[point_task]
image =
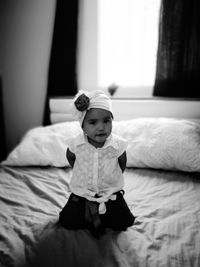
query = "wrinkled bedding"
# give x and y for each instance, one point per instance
(166, 231)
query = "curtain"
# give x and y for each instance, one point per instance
(178, 56)
(2, 126)
(62, 77)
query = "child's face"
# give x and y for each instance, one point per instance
(97, 125)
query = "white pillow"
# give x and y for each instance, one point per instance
(44, 146)
(160, 143)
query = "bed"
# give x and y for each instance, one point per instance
(162, 189)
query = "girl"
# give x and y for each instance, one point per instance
(98, 158)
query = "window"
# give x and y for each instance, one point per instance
(125, 34)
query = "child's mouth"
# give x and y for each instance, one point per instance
(101, 135)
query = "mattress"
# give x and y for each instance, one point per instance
(165, 233)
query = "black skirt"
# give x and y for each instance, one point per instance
(80, 213)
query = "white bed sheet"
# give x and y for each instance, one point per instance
(166, 231)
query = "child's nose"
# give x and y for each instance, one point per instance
(101, 126)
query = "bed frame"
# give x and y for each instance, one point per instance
(125, 109)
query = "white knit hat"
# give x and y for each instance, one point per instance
(84, 101)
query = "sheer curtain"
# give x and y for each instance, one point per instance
(62, 77)
(127, 42)
(178, 57)
(118, 44)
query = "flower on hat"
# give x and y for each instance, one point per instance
(80, 105)
(82, 102)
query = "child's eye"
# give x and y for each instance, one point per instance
(107, 120)
(92, 122)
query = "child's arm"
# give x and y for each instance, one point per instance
(71, 157)
(122, 161)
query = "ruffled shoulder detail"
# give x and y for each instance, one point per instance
(75, 141)
(117, 142)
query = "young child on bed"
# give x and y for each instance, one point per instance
(98, 158)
